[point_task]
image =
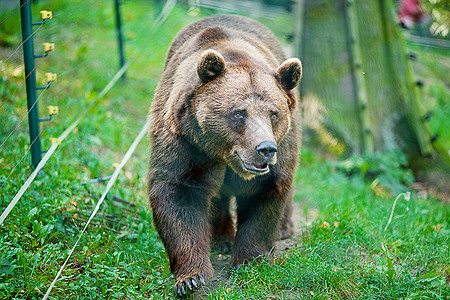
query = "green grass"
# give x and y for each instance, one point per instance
(346, 253)
(340, 255)
(121, 255)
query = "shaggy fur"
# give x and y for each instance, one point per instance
(225, 124)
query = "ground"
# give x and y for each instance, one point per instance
(222, 262)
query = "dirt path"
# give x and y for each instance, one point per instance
(221, 262)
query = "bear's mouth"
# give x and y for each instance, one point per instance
(250, 168)
(259, 168)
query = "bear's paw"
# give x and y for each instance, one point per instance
(187, 283)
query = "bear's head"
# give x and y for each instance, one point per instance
(244, 109)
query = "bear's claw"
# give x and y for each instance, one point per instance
(190, 284)
(194, 283)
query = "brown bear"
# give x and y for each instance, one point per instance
(224, 123)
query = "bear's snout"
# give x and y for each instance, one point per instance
(266, 150)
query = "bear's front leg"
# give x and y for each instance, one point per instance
(222, 225)
(180, 214)
(258, 224)
(286, 225)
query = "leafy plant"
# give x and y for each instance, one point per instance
(390, 169)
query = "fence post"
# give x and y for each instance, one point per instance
(28, 56)
(300, 17)
(360, 91)
(410, 90)
(119, 37)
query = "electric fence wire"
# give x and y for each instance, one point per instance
(68, 130)
(17, 49)
(26, 152)
(28, 112)
(14, 12)
(27, 183)
(40, 133)
(59, 76)
(109, 185)
(20, 84)
(64, 73)
(53, 147)
(167, 9)
(159, 21)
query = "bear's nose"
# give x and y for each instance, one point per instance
(266, 149)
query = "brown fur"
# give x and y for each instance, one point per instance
(223, 92)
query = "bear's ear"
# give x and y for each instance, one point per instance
(210, 65)
(289, 73)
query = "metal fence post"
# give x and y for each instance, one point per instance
(28, 56)
(119, 36)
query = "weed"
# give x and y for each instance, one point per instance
(390, 169)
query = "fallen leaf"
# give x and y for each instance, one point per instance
(324, 225)
(437, 227)
(349, 232)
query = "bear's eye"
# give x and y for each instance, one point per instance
(274, 117)
(239, 115)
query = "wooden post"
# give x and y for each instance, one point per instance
(299, 12)
(410, 89)
(360, 90)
